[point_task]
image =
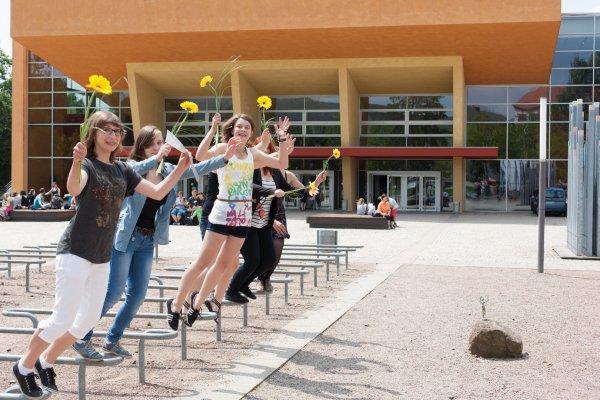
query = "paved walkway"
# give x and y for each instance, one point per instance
(451, 242)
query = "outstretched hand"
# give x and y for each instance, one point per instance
(232, 144)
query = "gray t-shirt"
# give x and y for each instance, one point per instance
(91, 231)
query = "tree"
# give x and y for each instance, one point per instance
(5, 116)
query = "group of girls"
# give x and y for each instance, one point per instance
(123, 211)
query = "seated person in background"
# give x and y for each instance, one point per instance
(194, 207)
(31, 197)
(16, 200)
(39, 203)
(24, 200)
(7, 207)
(179, 211)
(370, 209)
(385, 210)
(56, 202)
(361, 207)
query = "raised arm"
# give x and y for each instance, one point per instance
(203, 149)
(160, 190)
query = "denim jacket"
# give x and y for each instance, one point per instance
(132, 205)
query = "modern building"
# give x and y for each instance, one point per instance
(435, 103)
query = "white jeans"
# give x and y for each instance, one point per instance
(79, 296)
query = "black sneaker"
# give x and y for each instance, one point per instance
(172, 317)
(47, 376)
(27, 383)
(248, 293)
(236, 297)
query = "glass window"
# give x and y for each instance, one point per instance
(39, 70)
(40, 115)
(487, 135)
(295, 117)
(323, 130)
(64, 84)
(39, 100)
(582, 76)
(288, 103)
(395, 141)
(430, 115)
(375, 102)
(485, 113)
(39, 140)
(125, 116)
(597, 78)
(523, 141)
(322, 141)
(322, 103)
(559, 141)
(567, 94)
(38, 173)
(486, 95)
(323, 116)
(64, 138)
(428, 141)
(39, 84)
(106, 101)
(526, 94)
(226, 103)
(31, 57)
(575, 43)
(484, 186)
(382, 130)
(572, 59)
(60, 171)
(68, 115)
(524, 112)
(70, 99)
(429, 102)
(521, 180)
(571, 25)
(559, 112)
(430, 129)
(383, 116)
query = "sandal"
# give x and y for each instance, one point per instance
(212, 305)
(172, 316)
(192, 313)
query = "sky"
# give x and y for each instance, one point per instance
(568, 6)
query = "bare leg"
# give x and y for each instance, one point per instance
(227, 255)
(225, 278)
(36, 347)
(58, 347)
(208, 252)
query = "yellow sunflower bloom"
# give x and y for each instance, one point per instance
(99, 84)
(336, 153)
(205, 80)
(264, 102)
(312, 189)
(189, 106)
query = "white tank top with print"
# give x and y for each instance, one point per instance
(235, 183)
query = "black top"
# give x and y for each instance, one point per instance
(148, 214)
(91, 231)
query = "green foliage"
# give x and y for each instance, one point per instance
(5, 116)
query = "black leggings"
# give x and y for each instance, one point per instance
(259, 257)
(278, 244)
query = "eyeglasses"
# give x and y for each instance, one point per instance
(112, 132)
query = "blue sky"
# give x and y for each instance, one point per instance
(568, 6)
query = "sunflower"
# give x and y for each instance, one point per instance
(189, 106)
(205, 80)
(264, 102)
(336, 153)
(312, 189)
(99, 84)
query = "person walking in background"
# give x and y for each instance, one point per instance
(143, 222)
(83, 252)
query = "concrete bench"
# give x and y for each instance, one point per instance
(10, 260)
(148, 334)
(346, 221)
(24, 214)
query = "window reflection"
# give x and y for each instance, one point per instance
(581, 76)
(571, 25)
(575, 43)
(487, 135)
(559, 139)
(486, 113)
(523, 141)
(567, 94)
(573, 59)
(486, 95)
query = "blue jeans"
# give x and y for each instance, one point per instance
(132, 267)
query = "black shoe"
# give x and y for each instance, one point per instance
(235, 297)
(192, 313)
(248, 293)
(27, 383)
(172, 317)
(47, 376)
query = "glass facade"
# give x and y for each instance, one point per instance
(56, 110)
(506, 117)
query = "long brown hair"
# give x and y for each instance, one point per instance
(230, 123)
(144, 139)
(100, 119)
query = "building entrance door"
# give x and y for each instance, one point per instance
(414, 191)
(324, 199)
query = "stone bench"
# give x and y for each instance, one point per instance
(346, 221)
(21, 214)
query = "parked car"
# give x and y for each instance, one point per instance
(556, 202)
